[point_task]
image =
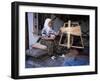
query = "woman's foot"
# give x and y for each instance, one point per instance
(53, 57)
(62, 55)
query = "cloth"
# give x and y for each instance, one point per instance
(40, 46)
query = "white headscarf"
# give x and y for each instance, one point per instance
(46, 23)
(46, 27)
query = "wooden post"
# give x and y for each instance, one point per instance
(68, 34)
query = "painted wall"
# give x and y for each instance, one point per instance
(32, 37)
(58, 23)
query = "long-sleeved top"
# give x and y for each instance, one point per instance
(48, 32)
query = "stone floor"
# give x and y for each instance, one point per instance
(46, 61)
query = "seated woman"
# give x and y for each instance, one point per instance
(48, 36)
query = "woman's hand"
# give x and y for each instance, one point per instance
(59, 32)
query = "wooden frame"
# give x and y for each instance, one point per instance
(15, 40)
(71, 30)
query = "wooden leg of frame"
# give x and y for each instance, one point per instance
(68, 42)
(60, 39)
(82, 41)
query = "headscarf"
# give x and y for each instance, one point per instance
(46, 28)
(46, 23)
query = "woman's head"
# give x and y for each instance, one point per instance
(48, 23)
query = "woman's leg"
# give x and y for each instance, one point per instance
(50, 47)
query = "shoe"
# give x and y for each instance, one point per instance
(62, 55)
(53, 57)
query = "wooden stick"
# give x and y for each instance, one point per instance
(68, 34)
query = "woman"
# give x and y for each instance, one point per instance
(48, 36)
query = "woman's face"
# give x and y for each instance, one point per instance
(50, 24)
